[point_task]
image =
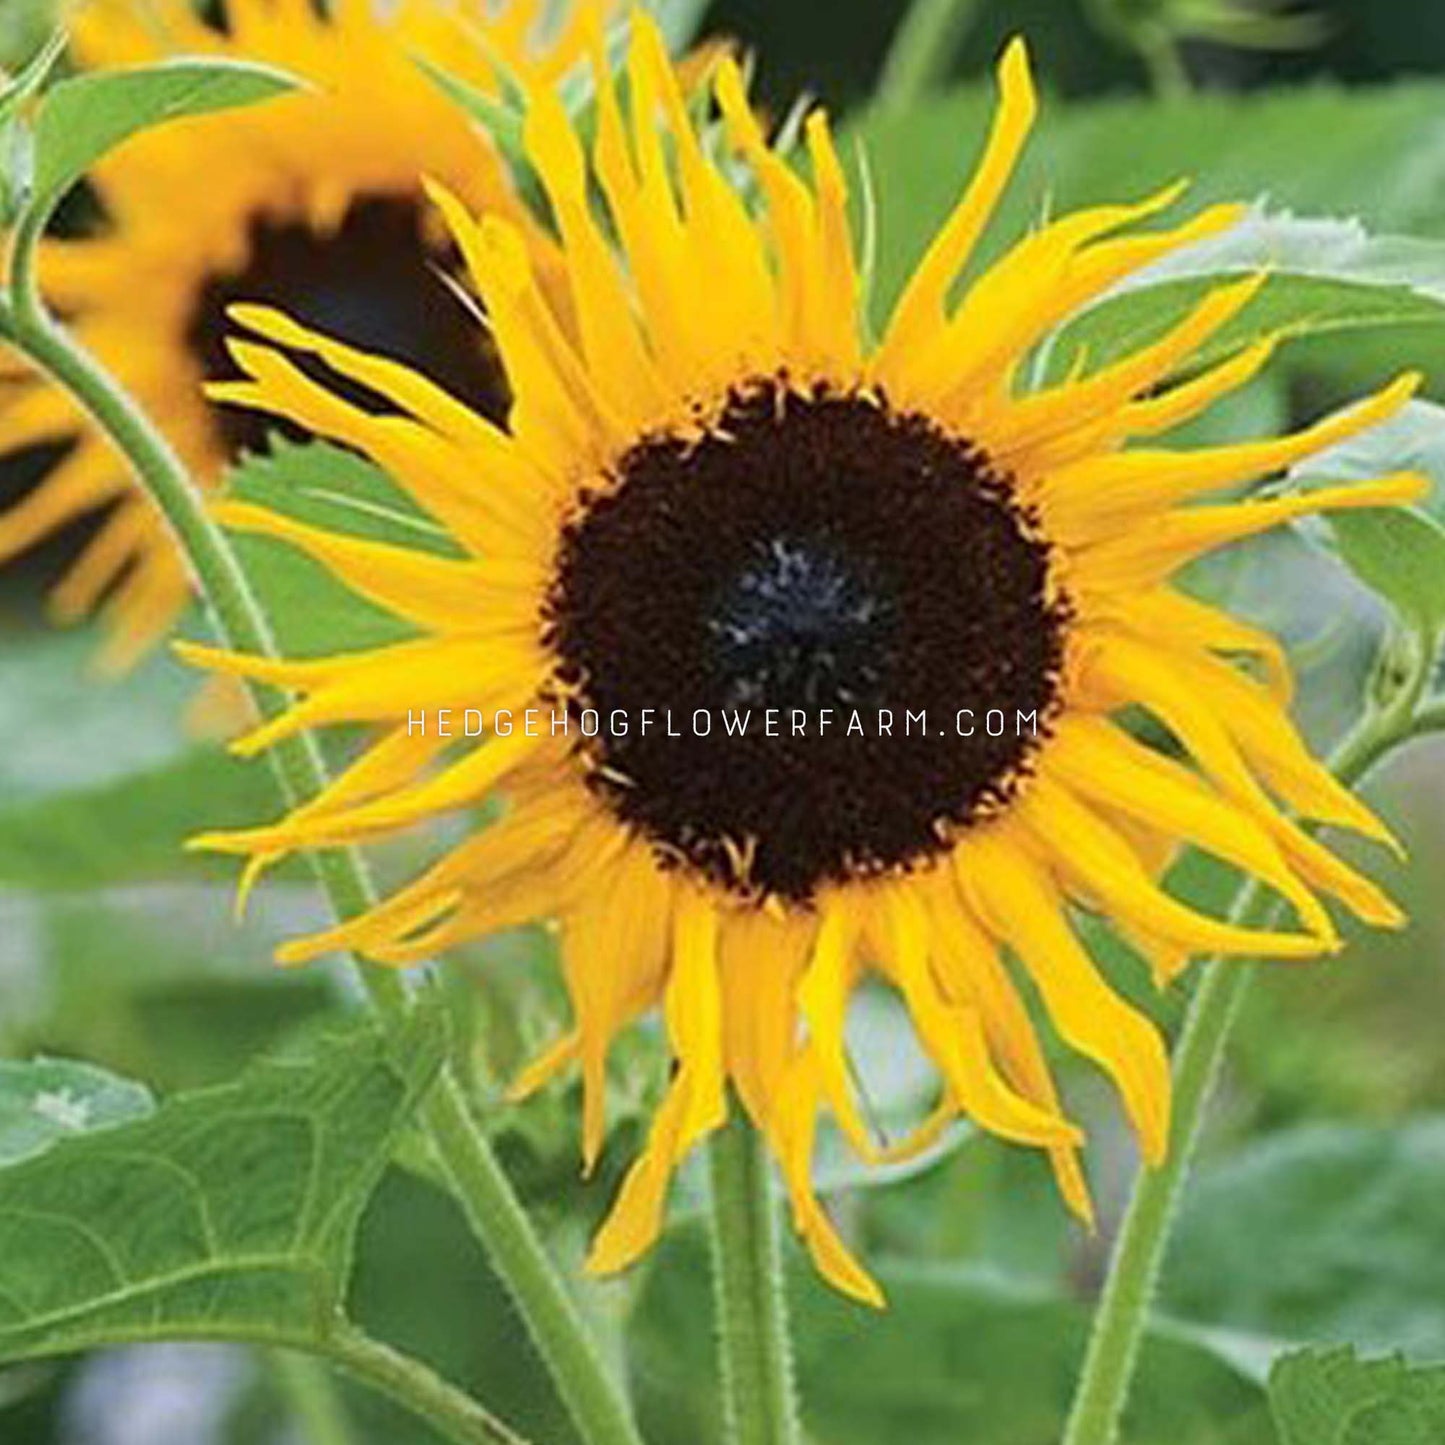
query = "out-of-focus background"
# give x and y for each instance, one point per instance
(1319, 1211)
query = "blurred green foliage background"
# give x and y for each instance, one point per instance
(1319, 1215)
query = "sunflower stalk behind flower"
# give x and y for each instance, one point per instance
(712, 492)
(313, 203)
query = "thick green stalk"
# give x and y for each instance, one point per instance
(594, 1398)
(760, 1403)
(1122, 1314)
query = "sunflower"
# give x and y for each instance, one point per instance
(312, 202)
(722, 501)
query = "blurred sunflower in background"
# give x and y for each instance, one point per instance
(722, 498)
(312, 203)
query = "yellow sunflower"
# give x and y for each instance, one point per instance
(312, 202)
(722, 500)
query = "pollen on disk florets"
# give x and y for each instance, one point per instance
(854, 572)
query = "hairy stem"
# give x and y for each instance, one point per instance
(760, 1405)
(593, 1397)
(410, 1383)
(1122, 1314)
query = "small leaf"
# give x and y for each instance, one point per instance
(504, 123)
(326, 487)
(229, 1213)
(1332, 1397)
(1398, 553)
(679, 21)
(49, 1100)
(84, 118)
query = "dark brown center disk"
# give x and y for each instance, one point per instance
(377, 281)
(857, 571)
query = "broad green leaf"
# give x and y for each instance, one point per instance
(339, 491)
(1324, 276)
(957, 1356)
(1383, 162)
(228, 1213)
(326, 486)
(1399, 553)
(1332, 1397)
(84, 118)
(44, 1102)
(1345, 1239)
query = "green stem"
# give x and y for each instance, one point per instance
(593, 1397)
(1168, 75)
(924, 45)
(312, 1397)
(410, 1383)
(1122, 1314)
(760, 1404)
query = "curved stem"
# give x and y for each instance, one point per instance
(759, 1401)
(1123, 1310)
(410, 1383)
(592, 1396)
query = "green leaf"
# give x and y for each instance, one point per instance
(1324, 276)
(679, 21)
(84, 118)
(1345, 1239)
(1332, 1397)
(44, 1102)
(1397, 552)
(1401, 555)
(1235, 147)
(504, 123)
(229, 1213)
(957, 1356)
(339, 491)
